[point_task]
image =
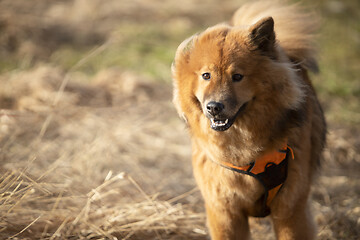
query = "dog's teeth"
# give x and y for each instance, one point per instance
(219, 123)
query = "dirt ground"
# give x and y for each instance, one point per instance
(104, 155)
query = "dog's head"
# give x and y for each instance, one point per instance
(226, 73)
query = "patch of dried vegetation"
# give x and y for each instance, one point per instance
(96, 164)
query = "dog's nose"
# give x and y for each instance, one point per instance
(214, 108)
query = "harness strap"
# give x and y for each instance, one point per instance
(270, 170)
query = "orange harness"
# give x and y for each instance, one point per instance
(270, 170)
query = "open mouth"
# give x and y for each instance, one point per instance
(224, 124)
(219, 123)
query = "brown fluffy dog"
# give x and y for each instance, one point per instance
(243, 89)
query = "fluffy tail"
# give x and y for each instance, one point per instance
(294, 28)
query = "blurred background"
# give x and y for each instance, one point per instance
(90, 144)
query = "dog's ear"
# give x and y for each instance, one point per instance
(262, 36)
(182, 56)
(183, 51)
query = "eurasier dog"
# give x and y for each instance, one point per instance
(256, 125)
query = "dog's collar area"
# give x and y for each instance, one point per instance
(270, 170)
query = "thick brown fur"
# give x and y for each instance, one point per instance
(271, 46)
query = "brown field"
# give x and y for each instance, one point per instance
(91, 146)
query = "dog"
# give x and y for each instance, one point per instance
(256, 126)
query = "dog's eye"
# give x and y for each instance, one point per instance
(237, 77)
(206, 76)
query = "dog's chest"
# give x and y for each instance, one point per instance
(219, 186)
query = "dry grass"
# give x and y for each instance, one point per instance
(74, 170)
(32, 210)
(105, 156)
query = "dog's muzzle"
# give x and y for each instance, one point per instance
(217, 122)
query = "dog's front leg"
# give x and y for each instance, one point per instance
(224, 225)
(298, 226)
